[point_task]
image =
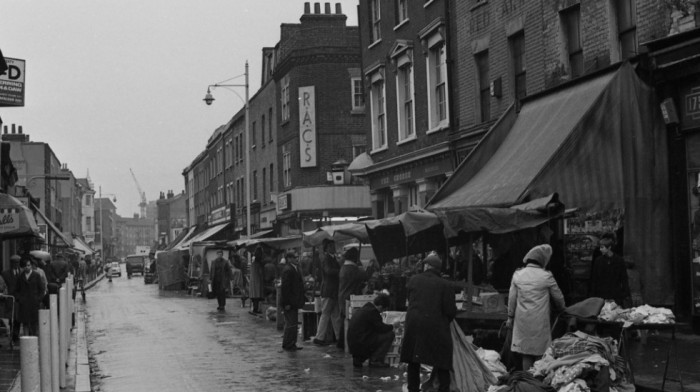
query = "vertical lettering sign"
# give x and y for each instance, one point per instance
(691, 107)
(12, 83)
(307, 127)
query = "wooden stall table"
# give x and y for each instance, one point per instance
(592, 324)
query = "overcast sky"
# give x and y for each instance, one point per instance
(118, 84)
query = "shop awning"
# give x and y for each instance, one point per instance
(183, 236)
(80, 245)
(203, 236)
(600, 143)
(16, 219)
(59, 239)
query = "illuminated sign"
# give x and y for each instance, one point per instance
(307, 127)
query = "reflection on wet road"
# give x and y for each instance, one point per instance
(143, 339)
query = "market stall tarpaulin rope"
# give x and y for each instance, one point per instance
(16, 219)
(599, 142)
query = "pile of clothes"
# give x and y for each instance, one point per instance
(576, 362)
(644, 314)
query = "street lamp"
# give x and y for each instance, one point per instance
(102, 225)
(208, 98)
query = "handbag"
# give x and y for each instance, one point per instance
(210, 293)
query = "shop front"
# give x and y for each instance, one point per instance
(674, 69)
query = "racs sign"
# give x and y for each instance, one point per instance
(307, 126)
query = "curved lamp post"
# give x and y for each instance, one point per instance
(209, 98)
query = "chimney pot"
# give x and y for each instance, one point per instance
(327, 8)
(338, 8)
(307, 8)
(317, 8)
(13, 129)
(19, 130)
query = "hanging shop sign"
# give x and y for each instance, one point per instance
(12, 83)
(307, 126)
(690, 94)
(283, 202)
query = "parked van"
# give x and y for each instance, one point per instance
(135, 264)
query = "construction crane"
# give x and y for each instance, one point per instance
(142, 195)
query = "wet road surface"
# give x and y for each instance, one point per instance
(143, 339)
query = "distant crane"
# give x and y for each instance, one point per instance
(142, 195)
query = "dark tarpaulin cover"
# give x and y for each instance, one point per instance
(599, 143)
(171, 269)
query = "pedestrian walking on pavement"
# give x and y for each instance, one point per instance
(11, 276)
(427, 337)
(221, 275)
(29, 292)
(256, 289)
(330, 310)
(292, 299)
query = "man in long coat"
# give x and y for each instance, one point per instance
(29, 291)
(330, 310)
(221, 274)
(427, 338)
(256, 289)
(291, 300)
(351, 279)
(11, 277)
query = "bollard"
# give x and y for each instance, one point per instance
(29, 359)
(45, 349)
(62, 326)
(53, 307)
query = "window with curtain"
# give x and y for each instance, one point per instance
(571, 23)
(626, 27)
(482, 67)
(517, 50)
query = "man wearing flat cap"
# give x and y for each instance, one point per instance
(427, 337)
(291, 300)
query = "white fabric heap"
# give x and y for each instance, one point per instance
(493, 362)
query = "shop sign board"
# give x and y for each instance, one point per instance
(307, 126)
(690, 112)
(42, 231)
(411, 174)
(283, 202)
(12, 83)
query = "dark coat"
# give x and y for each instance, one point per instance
(292, 288)
(431, 308)
(221, 275)
(59, 271)
(351, 280)
(609, 279)
(366, 323)
(10, 280)
(257, 278)
(29, 292)
(331, 277)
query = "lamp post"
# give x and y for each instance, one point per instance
(208, 98)
(102, 225)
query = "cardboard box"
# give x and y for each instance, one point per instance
(493, 302)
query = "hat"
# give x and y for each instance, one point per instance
(291, 254)
(15, 258)
(434, 261)
(541, 254)
(351, 254)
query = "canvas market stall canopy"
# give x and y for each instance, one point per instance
(16, 219)
(206, 235)
(80, 245)
(57, 239)
(599, 142)
(280, 243)
(342, 232)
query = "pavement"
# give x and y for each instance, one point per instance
(660, 352)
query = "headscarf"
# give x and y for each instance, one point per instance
(540, 254)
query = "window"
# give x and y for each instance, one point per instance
(269, 127)
(88, 222)
(401, 9)
(286, 165)
(264, 186)
(375, 32)
(413, 200)
(437, 85)
(517, 48)
(285, 98)
(262, 131)
(252, 135)
(378, 105)
(404, 98)
(358, 94)
(571, 19)
(88, 200)
(626, 27)
(272, 181)
(482, 68)
(255, 185)
(358, 149)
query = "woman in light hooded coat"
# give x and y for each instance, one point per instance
(531, 290)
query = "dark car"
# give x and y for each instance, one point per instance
(134, 264)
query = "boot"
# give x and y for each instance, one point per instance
(243, 299)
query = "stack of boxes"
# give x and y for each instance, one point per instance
(398, 319)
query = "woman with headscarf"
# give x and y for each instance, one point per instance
(532, 289)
